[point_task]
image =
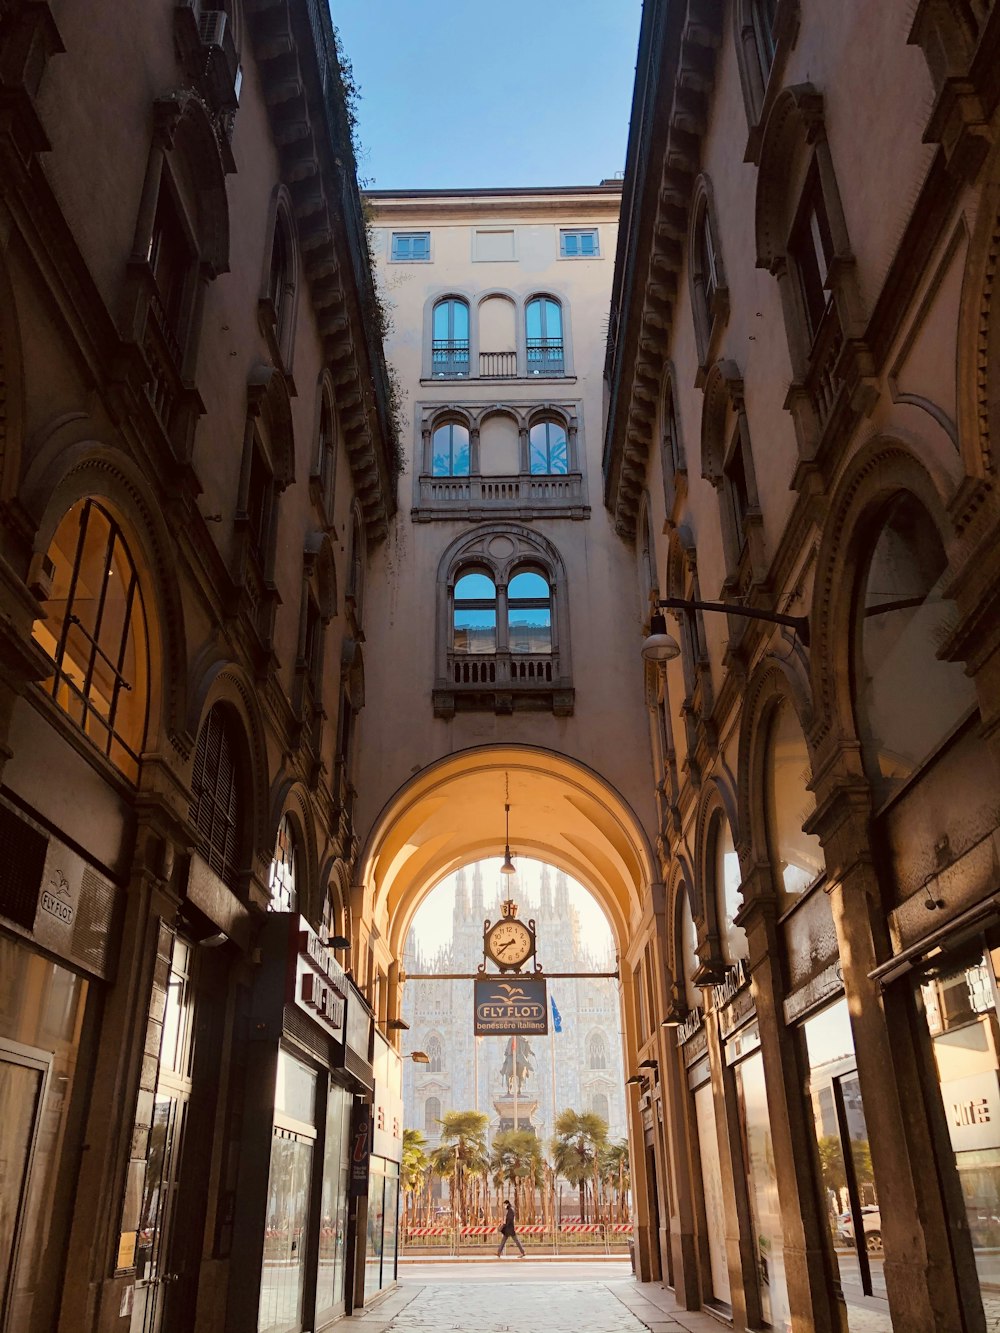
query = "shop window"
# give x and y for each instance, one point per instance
(450, 450)
(597, 1052)
(450, 349)
(908, 699)
(797, 856)
(475, 615)
(727, 881)
(547, 449)
(217, 810)
(529, 614)
(95, 634)
(281, 884)
(287, 1236)
(958, 1000)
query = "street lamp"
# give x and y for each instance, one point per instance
(418, 1057)
(508, 865)
(660, 646)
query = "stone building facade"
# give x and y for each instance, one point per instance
(579, 1067)
(196, 460)
(802, 380)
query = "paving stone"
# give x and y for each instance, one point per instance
(535, 1307)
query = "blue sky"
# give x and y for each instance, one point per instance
(472, 93)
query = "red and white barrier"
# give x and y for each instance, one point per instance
(429, 1231)
(574, 1228)
(620, 1228)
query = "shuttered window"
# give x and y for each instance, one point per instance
(217, 806)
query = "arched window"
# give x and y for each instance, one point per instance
(708, 295)
(475, 615)
(432, 1116)
(434, 1055)
(688, 945)
(726, 885)
(217, 808)
(547, 448)
(762, 14)
(280, 289)
(599, 1105)
(450, 349)
(326, 454)
(797, 856)
(544, 333)
(282, 878)
(356, 571)
(908, 699)
(672, 461)
(597, 1052)
(95, 634)
(450, 450)
(529, 613)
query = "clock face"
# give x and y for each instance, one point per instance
(509, 943)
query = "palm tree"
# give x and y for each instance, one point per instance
(614, 1165)
(413, 1169)
(517, 1162)
(578, 1140)
(463, 1136)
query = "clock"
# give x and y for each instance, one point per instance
(510, 943)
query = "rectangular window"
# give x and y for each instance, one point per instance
(411, 246)
(493, 245)
(580, 243)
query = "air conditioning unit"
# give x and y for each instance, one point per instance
(222, 70)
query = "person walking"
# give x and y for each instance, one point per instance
(508, 1230)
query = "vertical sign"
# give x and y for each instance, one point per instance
(361, 1147)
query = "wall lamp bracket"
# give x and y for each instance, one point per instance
(663, 647)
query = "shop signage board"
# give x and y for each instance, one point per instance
(511, 1006)
(972, 1105)
(318, 983)
(361, 1148)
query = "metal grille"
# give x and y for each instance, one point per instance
(92, 925)
(22, 860)
(298, 1027)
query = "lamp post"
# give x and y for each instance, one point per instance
(660, 646)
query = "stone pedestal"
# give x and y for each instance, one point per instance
(516, 1113)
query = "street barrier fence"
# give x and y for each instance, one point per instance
(567, 1237)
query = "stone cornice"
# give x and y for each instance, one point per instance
(675, 76)
(296, 57)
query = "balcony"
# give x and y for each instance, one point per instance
(503, 682)
(528, 493)
(498, 365)
(545, 357)
(450, 360)
(825, 377)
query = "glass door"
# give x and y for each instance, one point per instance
(711, 1183)
(765, 1209)
(22, 1079)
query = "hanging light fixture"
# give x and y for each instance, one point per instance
(508, 867)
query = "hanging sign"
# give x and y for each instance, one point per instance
(511, 1007)
(361, 1147)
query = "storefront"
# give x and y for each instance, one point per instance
(693, 1041)
(291, 1258)
(740, 1034)
(382, 1223)
(57, 917)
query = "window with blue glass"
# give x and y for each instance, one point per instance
(411, 245)
(450, 451)
(529, 613)
(580, 243)
(475, 616)
(450, 352)
(544, 334)
(547, 449)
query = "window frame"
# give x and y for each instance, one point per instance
(115, 542)
(576, 233)
(395, 237)
(489, 604)
(550, 366)
(221, 859)
(450, 424)
(528, 604)
(449, 349)
(546, 422)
